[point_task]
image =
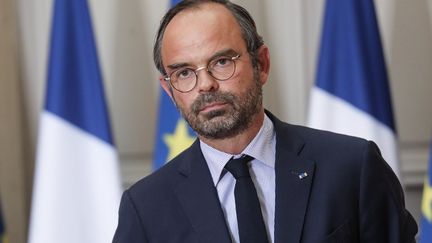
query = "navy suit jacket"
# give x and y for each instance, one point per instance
(350, 195)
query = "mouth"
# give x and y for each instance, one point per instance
(212, 107)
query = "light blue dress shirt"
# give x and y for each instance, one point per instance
(262, 170)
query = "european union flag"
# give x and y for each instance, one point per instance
(426, 207)
(173, 134)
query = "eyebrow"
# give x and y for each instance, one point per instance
(223, 52)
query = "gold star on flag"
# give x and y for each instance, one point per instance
(179, 140)
(427, 201)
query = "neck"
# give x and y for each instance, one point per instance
(236, 144)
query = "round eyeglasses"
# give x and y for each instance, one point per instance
(185, 79)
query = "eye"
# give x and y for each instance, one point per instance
(184, 73)
(222, 61)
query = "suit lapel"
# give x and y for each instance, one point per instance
(294, 176)
(293, 182)
(199, 199)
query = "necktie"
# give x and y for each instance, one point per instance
(249, 217)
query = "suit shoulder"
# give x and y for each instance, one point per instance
(339, 150)
(352, 155)
(298, 133)
(326, 138)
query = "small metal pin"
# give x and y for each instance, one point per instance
(302, 175)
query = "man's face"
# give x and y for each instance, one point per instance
(214, 109)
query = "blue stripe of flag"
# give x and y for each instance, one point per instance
(351, 64)
(74, 88)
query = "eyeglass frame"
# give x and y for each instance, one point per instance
(206, 67)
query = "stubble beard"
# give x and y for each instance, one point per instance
(234, 118)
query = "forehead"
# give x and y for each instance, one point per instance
(195, 34)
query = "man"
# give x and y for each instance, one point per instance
(309, 185)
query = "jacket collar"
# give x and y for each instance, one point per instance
(199, 199)
(294, 174)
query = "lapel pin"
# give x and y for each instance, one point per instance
(302, 175)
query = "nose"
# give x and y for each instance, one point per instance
(205, 81)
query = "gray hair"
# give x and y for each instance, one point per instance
(247, 25)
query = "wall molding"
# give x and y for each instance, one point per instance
(414, 162)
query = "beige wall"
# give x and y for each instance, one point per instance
(14, 194)
(125, 32)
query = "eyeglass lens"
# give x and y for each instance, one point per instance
(221, 68)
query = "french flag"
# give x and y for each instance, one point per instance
(76, 190)
(352, 94)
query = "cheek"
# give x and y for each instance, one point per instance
(246, 76)
(183, 101)
(240, 82)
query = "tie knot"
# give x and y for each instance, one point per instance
(238, 167)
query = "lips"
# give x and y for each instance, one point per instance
(212, 106)
(211, 102)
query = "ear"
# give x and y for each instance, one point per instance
(264, 63)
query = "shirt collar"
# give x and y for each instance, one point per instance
(262, 148)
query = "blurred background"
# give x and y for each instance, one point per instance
(124, 33)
